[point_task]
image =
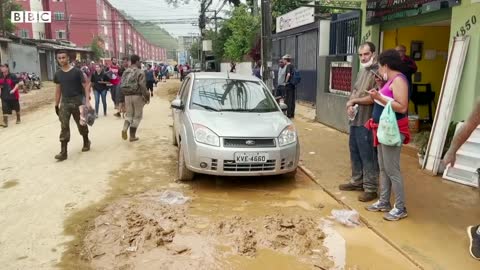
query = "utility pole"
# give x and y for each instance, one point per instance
(67, 27)
(266, 42)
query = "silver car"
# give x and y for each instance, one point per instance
(230, 125)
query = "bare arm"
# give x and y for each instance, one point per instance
(366, 100)
(467, 129)
(400, 92)
(86, 87)
(58, 94)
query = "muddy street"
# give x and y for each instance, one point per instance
(111, 208)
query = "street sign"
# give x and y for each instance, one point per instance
(295, 18)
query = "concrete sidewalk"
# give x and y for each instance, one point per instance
(434, 235)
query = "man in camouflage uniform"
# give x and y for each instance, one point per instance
(135, 95)
(71, 90)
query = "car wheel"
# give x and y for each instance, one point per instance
(184, 174)
(174, 137)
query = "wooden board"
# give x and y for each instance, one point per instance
(446, 103)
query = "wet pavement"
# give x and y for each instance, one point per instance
(434, 235)
(103, 210)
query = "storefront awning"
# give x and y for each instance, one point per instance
(379, 11)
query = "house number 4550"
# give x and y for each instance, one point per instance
(468, 25)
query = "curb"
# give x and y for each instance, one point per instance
(363, 219)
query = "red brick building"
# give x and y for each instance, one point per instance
(80, 21)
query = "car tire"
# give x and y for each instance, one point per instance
(184, 174)
(174, 137)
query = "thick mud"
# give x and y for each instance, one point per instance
(139, 231)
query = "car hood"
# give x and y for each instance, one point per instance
(235, 124)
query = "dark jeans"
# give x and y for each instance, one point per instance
(100, 94)
(290, 100)
(363, 157)
(280, 91)
(150, 85)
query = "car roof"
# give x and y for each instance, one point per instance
(224, 75)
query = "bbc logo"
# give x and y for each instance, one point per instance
(31, 16)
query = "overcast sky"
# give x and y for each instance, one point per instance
(159, 9)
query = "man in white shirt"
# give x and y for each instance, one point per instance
(281, 79)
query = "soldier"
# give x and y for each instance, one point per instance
(71, 88)
(134, 91)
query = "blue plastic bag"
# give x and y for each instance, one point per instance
(388, 132)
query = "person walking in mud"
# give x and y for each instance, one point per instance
(151, 79)
(363, 156)
(136, 95)
(459, 139)
(99, 80)
(71, 88)
(114, 69)
(9, 94)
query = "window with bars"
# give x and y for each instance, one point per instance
(23, 33)
(61, 34)
(59, 16)
(345, 33)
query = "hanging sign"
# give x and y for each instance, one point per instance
(295, 18)
(379, 11)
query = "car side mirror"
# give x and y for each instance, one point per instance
(177, 104)
(283, 106)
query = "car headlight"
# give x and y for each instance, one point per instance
(288, 136)
(205, 135)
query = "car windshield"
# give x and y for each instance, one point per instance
(223, 95)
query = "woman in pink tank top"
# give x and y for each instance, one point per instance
(396, 91)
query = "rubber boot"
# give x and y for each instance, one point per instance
(126, 125)
(18, 118)
(86, 144)
(5, 121)
(63, 153)
(133, 132)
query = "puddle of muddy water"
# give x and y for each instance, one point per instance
(120, 232)
(9, 184)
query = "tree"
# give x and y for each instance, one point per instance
(219, 40)
(195, 50)
(8, 7)
(97, 46)
(175, 3)
(245, 28)
(280, 7)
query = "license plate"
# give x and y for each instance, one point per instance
(251, 157)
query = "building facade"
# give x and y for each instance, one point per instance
(80, 22)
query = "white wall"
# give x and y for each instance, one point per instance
(244, 68)
(37, 28)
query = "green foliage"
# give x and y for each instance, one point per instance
(195, 50)
(156, 35)
(219, 41)
(176, 3)
(244, 29)
(421, 141)
(8, 7)
(97, 48)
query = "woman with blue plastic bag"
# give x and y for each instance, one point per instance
(390, 128)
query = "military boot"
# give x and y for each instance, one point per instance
(63, 153)
(86, 144)
(5, 121)
(133, 132)
(126, 125)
